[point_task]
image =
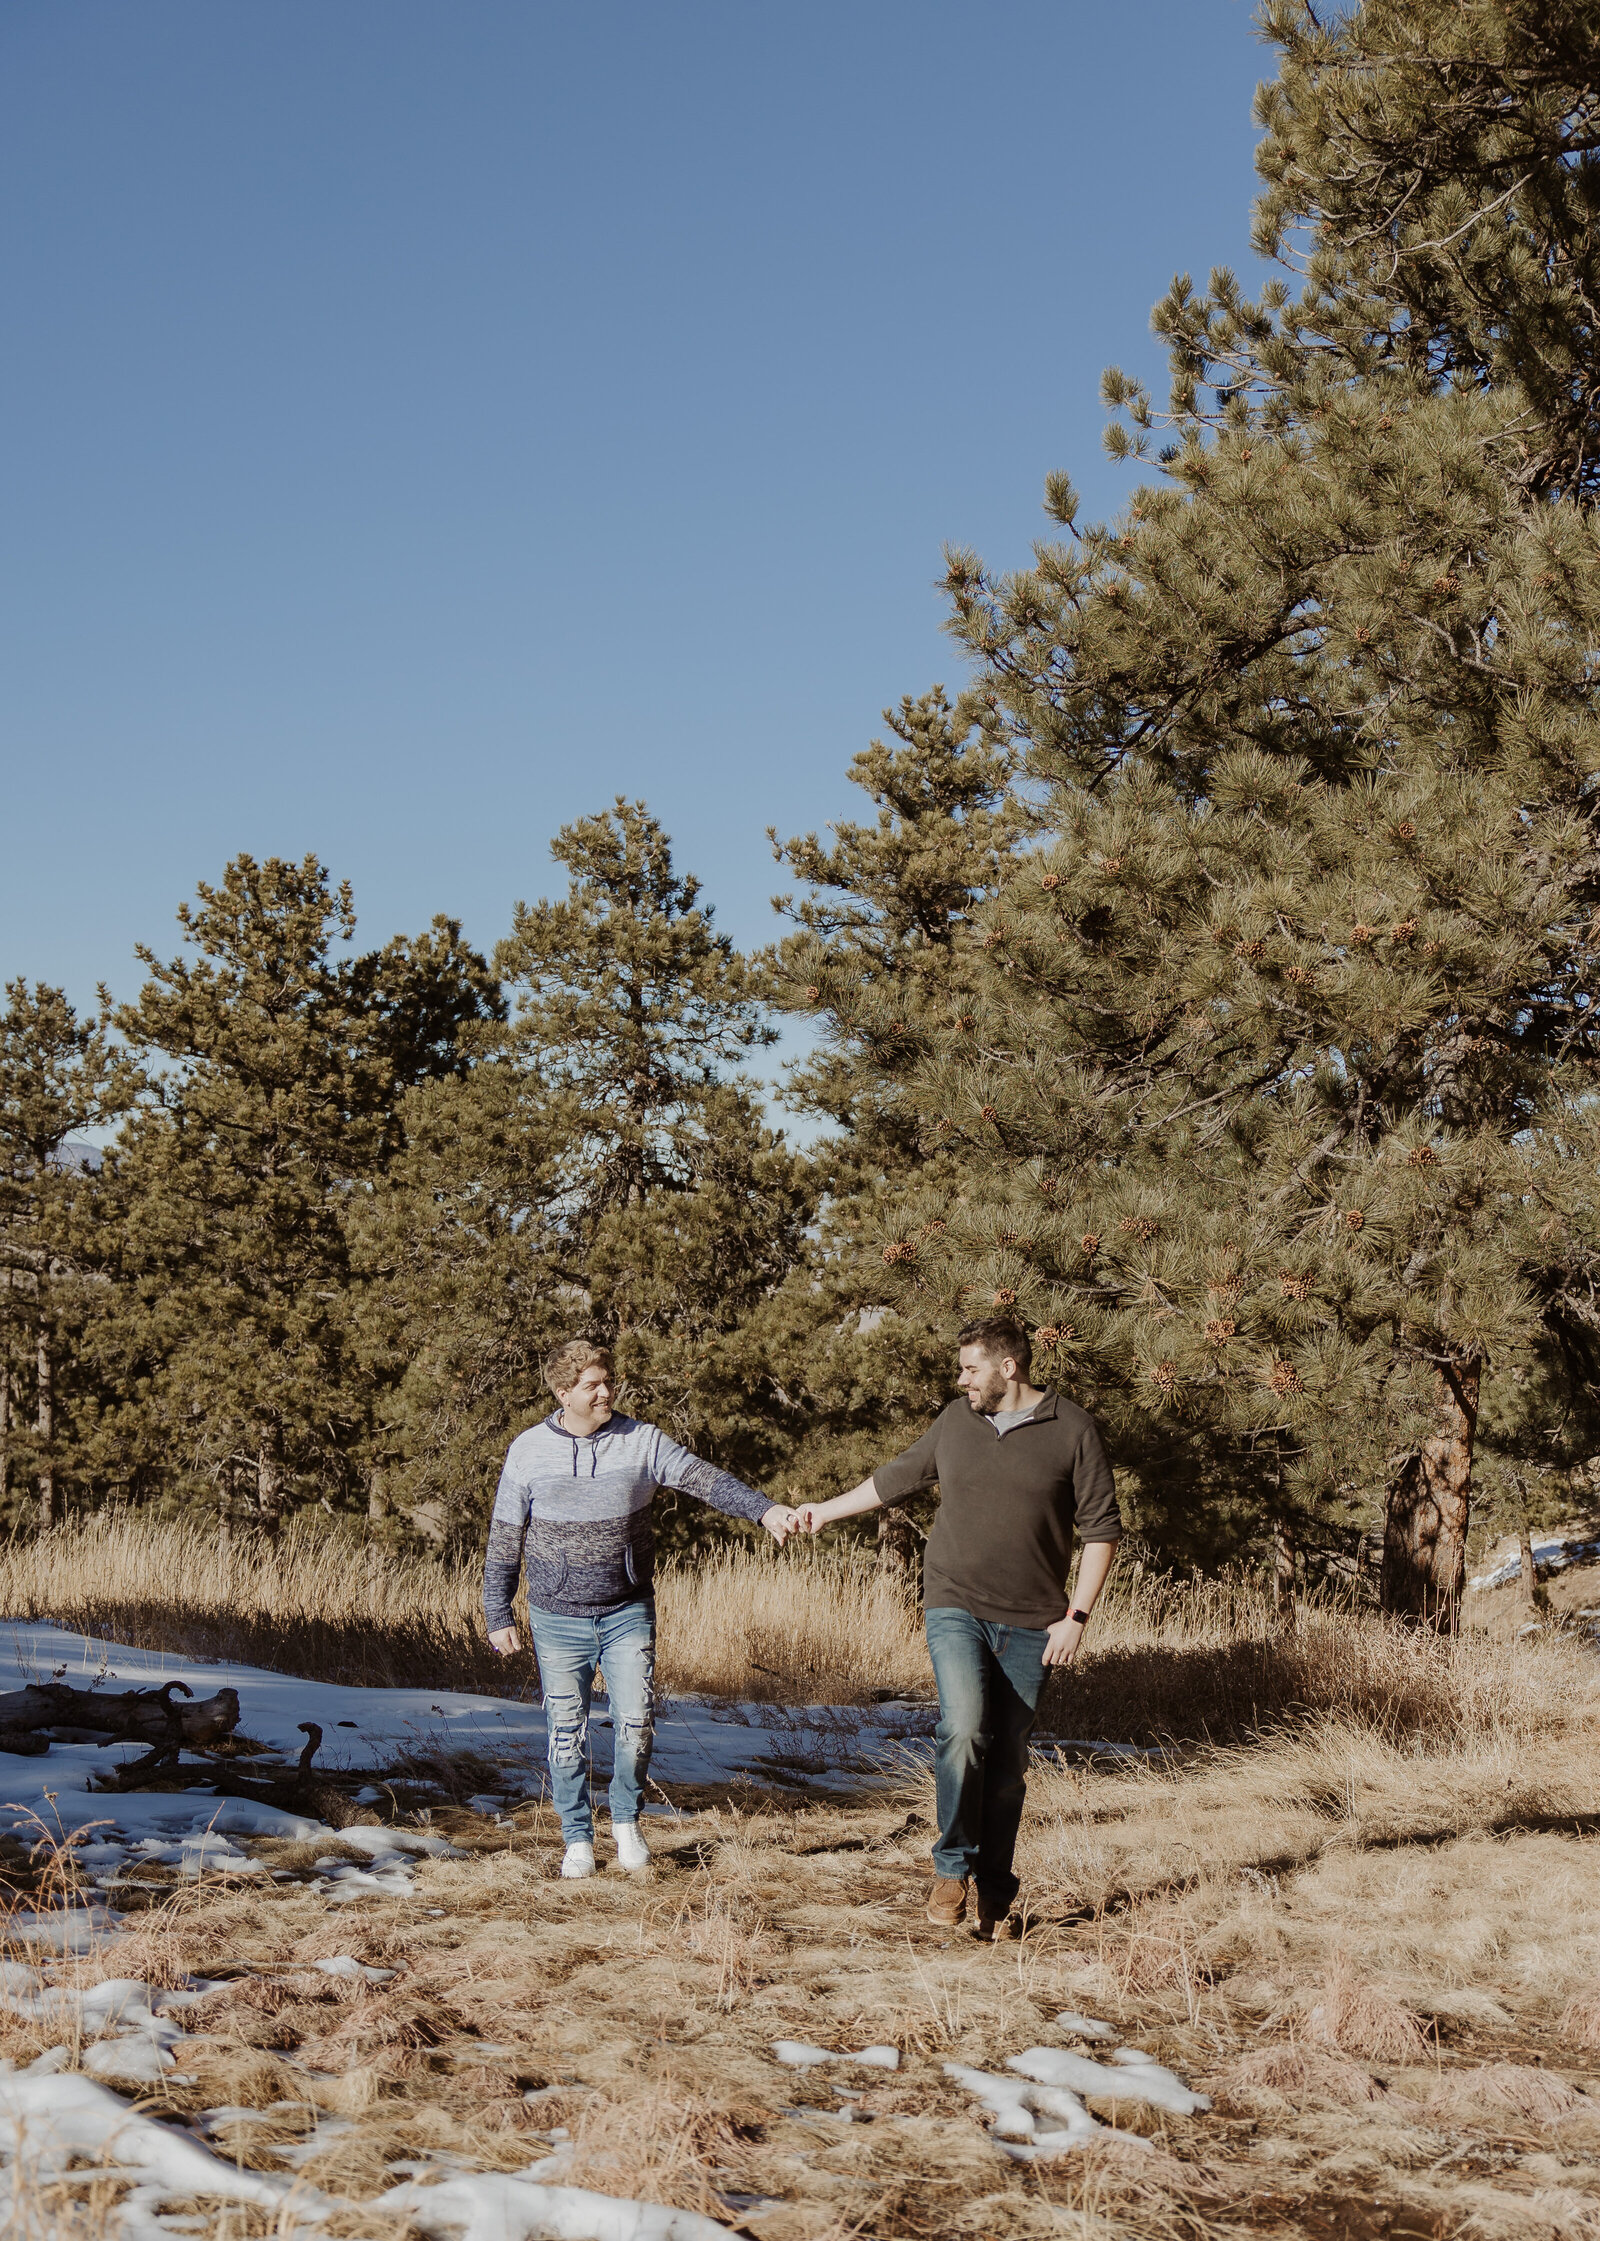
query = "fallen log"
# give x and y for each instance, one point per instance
(148, 1716)
(300, 1789)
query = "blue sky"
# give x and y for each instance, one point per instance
(423, 422)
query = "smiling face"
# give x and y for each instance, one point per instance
(586, 1402)
(983, 1380)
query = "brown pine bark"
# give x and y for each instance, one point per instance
(5, 1430)
(897, 1543)
(1283, 1572)
(1429, 1508)
(46, 1426)
(1533, 1590)
(269, 1479)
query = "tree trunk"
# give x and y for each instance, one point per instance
(269, 1479)
(1533, 1589)
(46, 1431)
(5, 1430)
(897, 1544)
(1427, 1513)
(377, 1494)
(1283, 1571)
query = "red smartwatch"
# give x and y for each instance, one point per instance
(1082, 1617)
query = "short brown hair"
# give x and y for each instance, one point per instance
(567, 1364)
(1000, 1338)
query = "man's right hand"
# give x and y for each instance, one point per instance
(505, 1640)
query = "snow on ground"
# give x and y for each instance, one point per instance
(1549, 1555)
(131, 2033)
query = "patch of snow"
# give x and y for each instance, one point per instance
(73, 1929)
(1016, 2108)
(50, 2123)
(799, 2055)
(1135, 2077)
(342, 1964)
(486, 2206)
(1552, 1555)
(1083, 2026)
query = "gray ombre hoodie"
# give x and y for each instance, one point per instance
(578, 1512)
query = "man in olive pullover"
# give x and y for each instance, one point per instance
(1018, 1469)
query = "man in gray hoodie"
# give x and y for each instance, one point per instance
(573, 1505)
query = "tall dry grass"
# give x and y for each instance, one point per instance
(800, 1626)
(1165, 1660)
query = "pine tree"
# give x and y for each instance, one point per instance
(604, 1167)
(276, 1073)
(59, 1076)
(839, 1364)
(1277, 1103)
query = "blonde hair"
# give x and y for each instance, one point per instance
(567, 1364)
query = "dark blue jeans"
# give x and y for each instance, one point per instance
(989, 1679)
(622, 1644)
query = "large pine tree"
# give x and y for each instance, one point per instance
(839, 1364)
(604, 1167)
(1274, 1103)
(276, 1072)
(60, 1075)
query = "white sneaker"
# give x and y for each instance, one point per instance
(578, 1859)
(632, 1850)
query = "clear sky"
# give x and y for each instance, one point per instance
(421, 422)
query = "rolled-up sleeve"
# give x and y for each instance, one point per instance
(909, 1473)
(1094, 1491)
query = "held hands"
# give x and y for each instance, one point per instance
(780, 1522)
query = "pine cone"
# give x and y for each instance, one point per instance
(1285, 1378)
(990, 1112)
(1089, 1244)
(1164, 1376)
(1004, 1298)
(1220, 1329)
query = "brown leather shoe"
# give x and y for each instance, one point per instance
(996, 1929)
(947, 1901)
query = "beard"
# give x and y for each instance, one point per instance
(986, 1398)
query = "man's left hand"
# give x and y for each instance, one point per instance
(1061, 1642)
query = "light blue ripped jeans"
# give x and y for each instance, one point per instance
(622, 1645)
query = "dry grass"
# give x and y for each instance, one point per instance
(1372, 1934)
(1166, 1660)
(800, 1627)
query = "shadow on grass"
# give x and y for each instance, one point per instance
(349, 1652)
(1231, 1692)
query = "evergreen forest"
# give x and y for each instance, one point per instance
(1209, 980)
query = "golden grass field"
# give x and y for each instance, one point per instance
(1356, 1903)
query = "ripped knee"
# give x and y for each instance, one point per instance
(569, 1730)
(636, 1735)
